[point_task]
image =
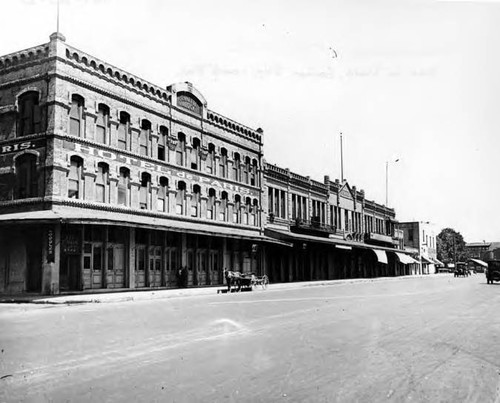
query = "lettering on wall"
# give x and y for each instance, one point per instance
(50, 246)
(25, 145)
(188, 102)
(169, 172)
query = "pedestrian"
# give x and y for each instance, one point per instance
(178, 275)
(184, 277)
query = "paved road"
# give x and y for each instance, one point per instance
(421, 340)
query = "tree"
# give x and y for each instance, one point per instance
(451, 246)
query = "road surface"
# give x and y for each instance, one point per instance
(430, 339)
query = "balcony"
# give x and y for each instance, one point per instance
(312, 227)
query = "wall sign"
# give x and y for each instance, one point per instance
(21, 146)
(50, 245)
(188, 102)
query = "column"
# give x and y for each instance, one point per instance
(51, 259)
(131, 258)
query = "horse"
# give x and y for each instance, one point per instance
(233, 277)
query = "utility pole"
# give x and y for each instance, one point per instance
(341, 161)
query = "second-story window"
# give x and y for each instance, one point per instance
(210, 163)
(102, 124)
(124, 187)
(237, 167)
(75, 178)
(253, 174)
(223, 206)
(26, 177)
(180, 197)
(255, 210)
(195, 201)
(101, 183)
(248, 210)
(237, 209)
(247, 170)
(211, 204)
(144, 191)
(162, 143)
(144, 137)
(180, 149)
(195, 154)
(124, 131)
(76, 121)
(162, 203)
(30, 114)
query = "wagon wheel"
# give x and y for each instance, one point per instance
(265, 281)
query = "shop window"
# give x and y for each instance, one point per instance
(210, 163)
(223, 206)
(162, 143)
(26, 177)
(124, 187)
(223, 163)
(102, 124)
(75, 178)
(162, 203)
(180, 197)
(144, 137)
(144, 191)
(211, 204)
(30, 114)
(180, 149)
(195, 201)
(76, 122)
(102, 183)
(123, 131)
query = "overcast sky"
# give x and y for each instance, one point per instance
(417, 81)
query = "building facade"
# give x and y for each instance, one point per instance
(110, 182)
(420, 241)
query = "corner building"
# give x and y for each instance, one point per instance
(108, 181)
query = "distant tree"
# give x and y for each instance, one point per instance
(450, 244)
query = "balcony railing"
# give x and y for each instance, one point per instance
(313, 225)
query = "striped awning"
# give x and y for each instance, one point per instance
(381, 255)
(479, 262)
(405, 259)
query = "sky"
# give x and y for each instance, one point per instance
(416, 81)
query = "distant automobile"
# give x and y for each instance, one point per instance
(493, 271)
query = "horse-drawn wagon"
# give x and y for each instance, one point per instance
(243, 281)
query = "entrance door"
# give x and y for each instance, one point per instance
(155, 266)
(202, 267)
(116, 267)
(93, 264)
(140, 266)
(215, 272)
(69, 273)
(172, 265)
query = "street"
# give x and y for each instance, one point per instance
(422, 339)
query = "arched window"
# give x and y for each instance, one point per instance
(124, 131)
(254, 213)
(247, 170)
(223, 163)
(124, 187)
(26, 177)
(76, 122)
(195, 154)
(211, 204)
(247, 211)
(102, 183)
(75, 178)
(180, 149)
(162, 203)
(195, 201)
(237, 167)
(210, 166)
(30, 114)
(144, 137)
(237, 209)
(144, 191)
(180, 197)
(253, 174)
(102, 124)
(162, 143)
(223, 206)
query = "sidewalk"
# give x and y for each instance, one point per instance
(106, 295)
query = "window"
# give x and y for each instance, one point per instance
(254, 216)
(210, 164)
(180, 149)
(144, 191)
(247, 170)
(253, 174)
(248, 210)
(236, 167)
(223, 206)
(195, 154)
(76, 116)
(30, 114)
(144, 137)
(26, 177)
(195, 201)
(237, 209)
(180, 196)
(102, 124)
(223, 163)
(211, 204)
(162, 143)
(124, 187)
(123, 131)
(410, 235)
(162, 203)
(75, 179)
(101, 183)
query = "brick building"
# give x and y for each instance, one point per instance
(109, 181)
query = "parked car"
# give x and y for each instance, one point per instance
(493, 271)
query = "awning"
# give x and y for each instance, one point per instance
(343, 247)
(405, 259)
(381, 255)
(438, 262)
(426, 260)
(479, 262)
